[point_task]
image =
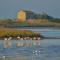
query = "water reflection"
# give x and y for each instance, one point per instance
(28, 42)
(8, 43)
(22, 48)
(32, 50)
(20, 43)
(36, 42)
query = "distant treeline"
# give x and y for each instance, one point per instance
(42, 16)
(47, 17)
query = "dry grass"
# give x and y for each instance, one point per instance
(16, 32)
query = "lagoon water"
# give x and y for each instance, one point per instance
(46, 49)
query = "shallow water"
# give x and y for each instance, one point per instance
(46, 49)
(47, 32)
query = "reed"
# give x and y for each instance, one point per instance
(5, 32)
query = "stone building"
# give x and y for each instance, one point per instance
(23, 15)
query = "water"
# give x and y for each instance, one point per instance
(46, 49)
(47, 32)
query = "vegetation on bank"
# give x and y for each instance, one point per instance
(16, 32)
(10, 23)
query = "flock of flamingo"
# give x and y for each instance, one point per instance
(8, 42)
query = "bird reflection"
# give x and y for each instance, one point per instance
(36, 42)
(7, 42)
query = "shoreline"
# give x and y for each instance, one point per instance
(29, 38)
(31, 27)
(51, 37)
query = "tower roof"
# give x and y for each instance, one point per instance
(28, 11)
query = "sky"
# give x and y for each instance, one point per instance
(9, 8)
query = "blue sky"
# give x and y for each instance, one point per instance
(9, 8)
